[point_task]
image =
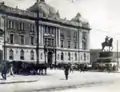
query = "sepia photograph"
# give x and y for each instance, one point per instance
(59, 46)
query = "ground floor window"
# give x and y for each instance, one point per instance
(22, 54)
(32, 55)
(11, 54)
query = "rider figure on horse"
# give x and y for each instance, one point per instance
(106, 39)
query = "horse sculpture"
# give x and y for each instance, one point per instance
(107, 43)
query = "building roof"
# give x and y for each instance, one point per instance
(47, 12)
(45, 9)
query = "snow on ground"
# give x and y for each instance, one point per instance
(56, 79)
(112, 87)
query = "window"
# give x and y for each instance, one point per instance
(68, 44)
(75, 56)
(22, 39)
(84, 57)
(52, 43)
(41, 55)
(32, 40)
(45, 41)
(32, 55)
(58, 56)
(31, 26)
(49, 42)
(22, 54)
(84, 46)
(69, 56)
(61, 35)
(69, 35)
(62, 56)
(75, 45)
(75, 34)
(21, 26)
(11, 38)
(62, 43)
(11, 54)
(9, 24)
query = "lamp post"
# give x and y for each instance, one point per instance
(37, 29)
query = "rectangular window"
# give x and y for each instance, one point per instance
(32, 40)
(75, 45)
(68, 44)
(62, 36)
(22, 39)
(62, 43)
(52, 44)
(11, 38)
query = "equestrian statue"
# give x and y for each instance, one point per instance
(108, 42)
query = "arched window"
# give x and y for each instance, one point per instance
(22, 54)
(32, 55)
(68, 56)
(75, 56)
(11, 54)
(84, 57)
(62, 56)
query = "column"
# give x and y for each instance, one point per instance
(42, 34)
(88, 40)
(59, 42)
(80, 39)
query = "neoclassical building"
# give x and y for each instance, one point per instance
(60, 40)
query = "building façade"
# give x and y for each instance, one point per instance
(60, 40)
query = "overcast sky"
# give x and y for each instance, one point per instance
(103, 15)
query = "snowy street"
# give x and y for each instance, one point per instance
(55, 81)
(104, 87)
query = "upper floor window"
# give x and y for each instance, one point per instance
(22, 54)
(68, 44)
(69, 56)
(75, 45)
(11, 24)
(69, 35)
(84, 46)
(11, 55)
(62, 56)
(22, 39)
(52, 43)
(32, 55)
(61, 43)
(61, 35)
(21, 26)
(75, 34)
(11, 38)
(31, 26)
(32, 40)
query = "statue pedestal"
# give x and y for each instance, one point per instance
(107, 60)
(105, 54)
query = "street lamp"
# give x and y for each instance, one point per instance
(37, 29)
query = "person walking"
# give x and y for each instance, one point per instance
(4, 71)
(11, 70)
(66, 71)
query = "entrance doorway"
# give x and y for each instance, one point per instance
(50, 57)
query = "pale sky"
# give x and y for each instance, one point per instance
(103, 15)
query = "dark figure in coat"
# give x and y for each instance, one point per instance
(4, 71)
(66, 71)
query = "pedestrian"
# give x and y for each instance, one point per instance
(11, 70)
(66, 71)
(4, 71)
